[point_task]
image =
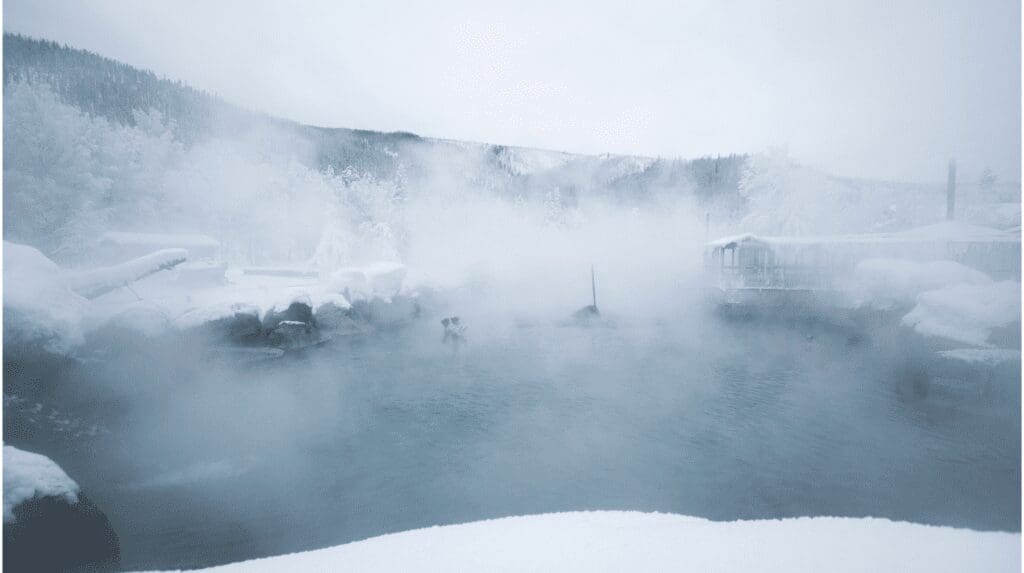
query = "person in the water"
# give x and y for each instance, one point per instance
(454, 331)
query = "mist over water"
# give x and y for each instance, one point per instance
(212, 461)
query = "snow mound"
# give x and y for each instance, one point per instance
(633, 541)
(211, 313)
(28, 476)
(143, 317)
(39, 308)
(966, 312)
(885, 283)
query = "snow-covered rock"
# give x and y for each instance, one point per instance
(334, 317)
(633, 541)
(28, 476)
(49, 525)
(293, 335)
(966, 313)
(236, 322)
(298, 309)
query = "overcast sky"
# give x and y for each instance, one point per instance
(887, 89)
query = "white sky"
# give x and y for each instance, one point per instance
(888, 89)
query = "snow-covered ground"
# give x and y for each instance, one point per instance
(949, 300)
(634, 541)
(966, 313)
(28, 475)
(55, 307)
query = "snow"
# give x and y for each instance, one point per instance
(28, 475)
(95, 282)
(885, 283)
(634, 541)
(143, 317)
(46, 305)
(99, 281)
(966, 313)
(38, 306)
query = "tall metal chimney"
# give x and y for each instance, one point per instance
(951, 191)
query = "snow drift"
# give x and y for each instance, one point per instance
(966, 313)
(633, 541)
(39, 308)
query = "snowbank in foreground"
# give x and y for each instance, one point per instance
(28, 475)
(633, 541)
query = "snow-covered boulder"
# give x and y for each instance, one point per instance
(40, 310)
(298, 309)
(236, 322)
(294, 335)
(338, 317)
(49, 525)
(966, 313)
(28, 476)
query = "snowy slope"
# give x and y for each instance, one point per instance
(633, 541)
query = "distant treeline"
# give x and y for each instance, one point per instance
(116, 91)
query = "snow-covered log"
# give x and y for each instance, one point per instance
(97, 282)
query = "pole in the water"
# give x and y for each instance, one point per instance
(593, 287)
(589, 313)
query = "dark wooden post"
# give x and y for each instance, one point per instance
(951, 191)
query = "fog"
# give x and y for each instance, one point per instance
(203, 446)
